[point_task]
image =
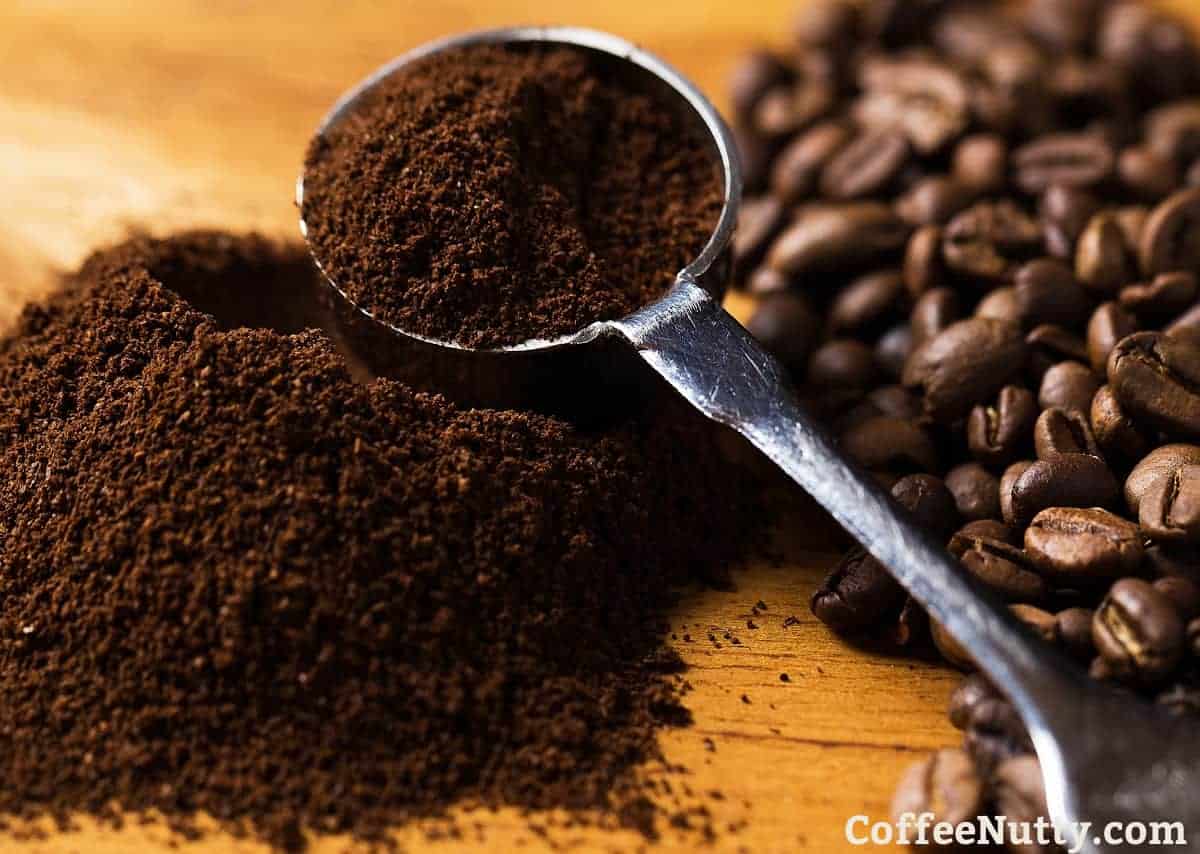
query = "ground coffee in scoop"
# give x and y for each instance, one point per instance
(234, 580)
(491, 195)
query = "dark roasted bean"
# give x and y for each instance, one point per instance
(1156, 378)
(764, 281)
(1075, 632)
(976, 491)
(785, 109)
(786, 325)
(1050, 344)
(1171, 236)
(931, 504)
(842, 365)
(856, 594)
(1173, 130)
(752, 78)
(1103, 261)
(1115, 432)
(1069, 386)
(1079, 161)
(1001, 304)
(890, 444)
(1004, 570)
(1065, 481)
(1047, 292)
(981, 162)
(945, 785)
(1183, 593)
(1147, 174)
(934, 200)
(1019, 794)
(866, 166)
(1008, 482)
(1138, 632)
(1161, 461)
(926, 100)
(1065, 214)
(932, 314)
(893, 349)
(965, 699)
(1109, 323)
(1169, 510)
(1059, 431)
(835, 237)
(965, 364)
(924, 269)
(895, 400)
(988, 239)
(992, 529)
(1165, 296)
(998, 433)
(868, 303)
(1082, 543)
(759, 221)
(797, 169)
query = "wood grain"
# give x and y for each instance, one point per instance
(123, 115)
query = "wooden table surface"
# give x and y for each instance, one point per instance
(121, 115)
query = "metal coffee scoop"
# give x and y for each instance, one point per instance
(1105, 757)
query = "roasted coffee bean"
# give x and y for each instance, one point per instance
(1173, 130)
(1065, 214)
(895, 400)
(949, 648)
(786, 325)
(893, 349)
(1186, 326)
(1103, 261)
(1079, 161)
(911, 626)
(1004, 570)
(1169, 510)
(933, 313)
(1001, 304)
(786, 109)
(867, 304)
(929, 502)
(1183, 593)
(934, 200)
(759, 221)
(827, 238)
(1019, 794)
(1138, 632)
(1069, 386)
(1064, 481)
(998, 433)
(1059, 431)
(1042, 623)
(924, 269)
(1116, 434)
(1132, 220)
(926, 100)
(1008, 482)
(1156, 51)
(1156, 378)
(945, 785)
(1161, 461)
(1082, 543)
(826, 24)
(992, 529)
(1108, 325)
(1049, 344)
(967, 696)
(1146, 174)
(1047, 292)
(1171, 237)
(890, 444)
(981, 162)
(797, 169)
(995, 734)
(764, 281)
(856, 595)
(976, 491)
(988, 239)
(965, 364)
(843, 365)
(1075, 632)
(1164, 297)
(753, 77)
(756, 151)
(866, 166)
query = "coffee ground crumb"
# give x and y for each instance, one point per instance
(235, 580)
(491, 195)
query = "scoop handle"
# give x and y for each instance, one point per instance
(710, 359)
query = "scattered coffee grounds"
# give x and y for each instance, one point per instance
(492, 195)
(974, 231)
(233, 580)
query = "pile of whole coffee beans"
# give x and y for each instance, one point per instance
(973, 230)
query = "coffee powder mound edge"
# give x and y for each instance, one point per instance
(233, 580)
(490, 195)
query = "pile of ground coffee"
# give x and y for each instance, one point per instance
(491, 195)
(234, 580)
